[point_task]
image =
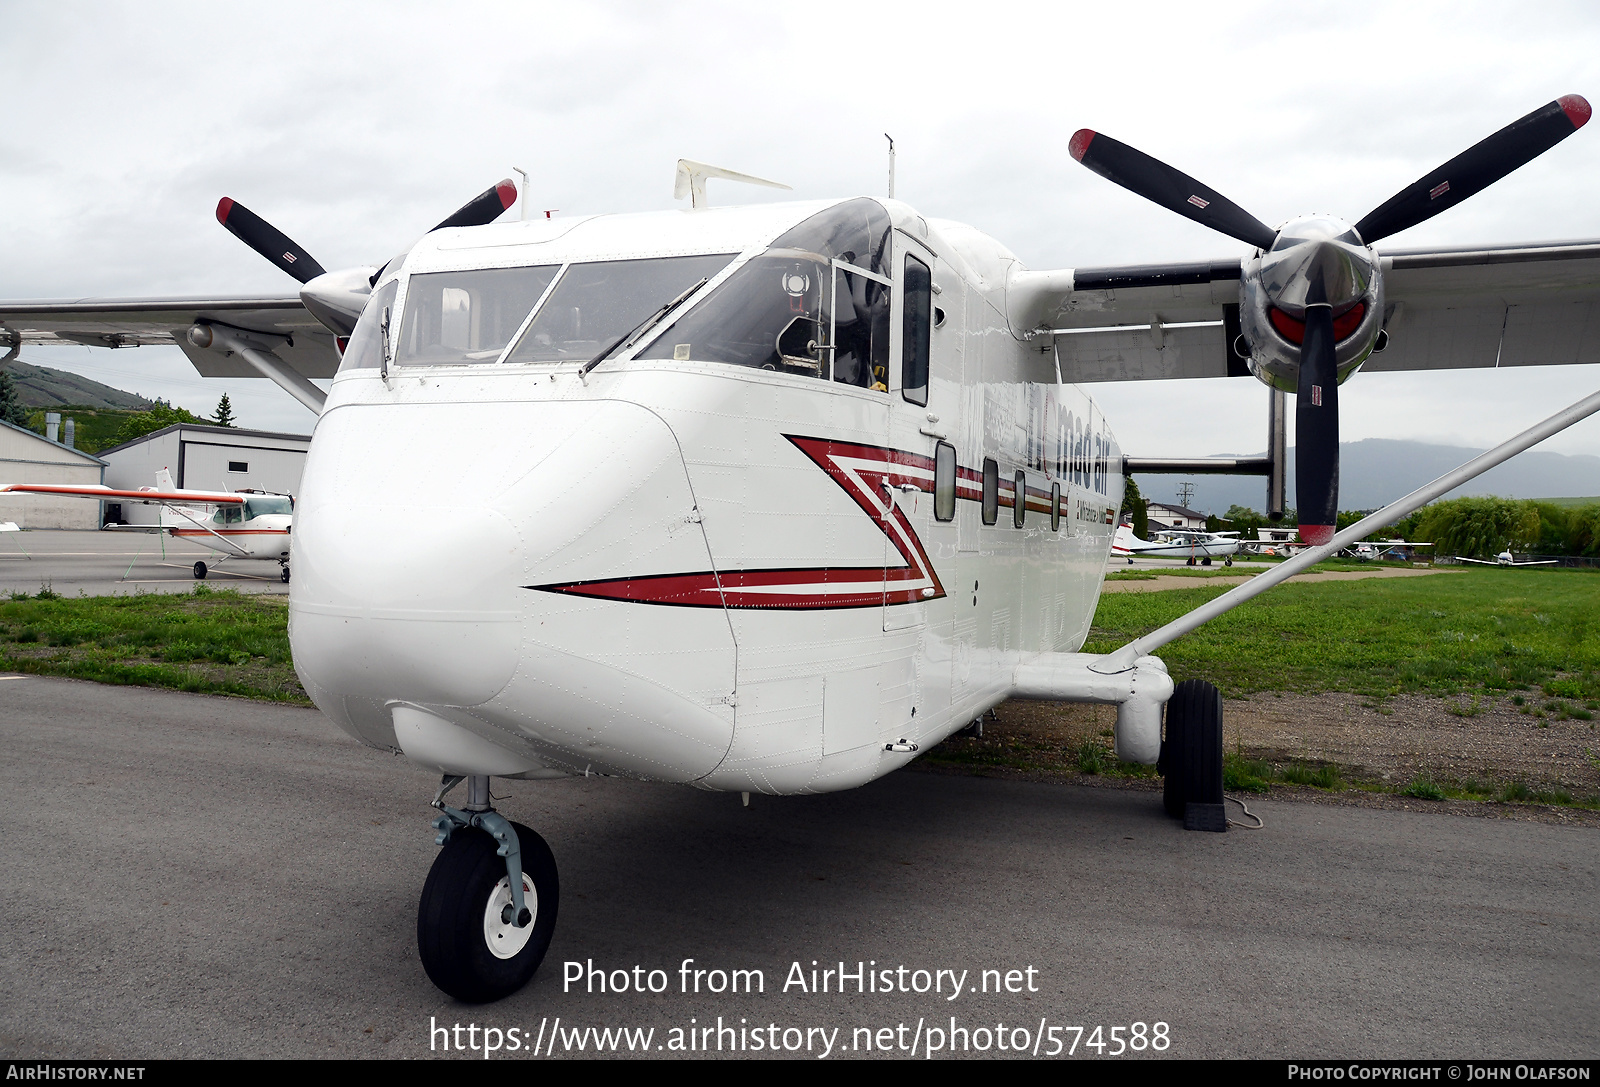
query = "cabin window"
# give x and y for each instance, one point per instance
(238, 466)
(916, 331)
(227, 515)
(595, 305)
(1055, 507)
(366, 346)
(269, 503)
(464, 317)
(815, 304)
(1019, 499)
(944, 482)
(991, 491)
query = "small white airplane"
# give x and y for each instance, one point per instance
(771, 499)
(1505, 558)
(1177, 543)
(1400, 549)
(246, 524)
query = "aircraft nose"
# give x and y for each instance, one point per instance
(426, 539)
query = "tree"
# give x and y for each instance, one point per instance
(161, 414)
(224, 416)
(1133, 508)
(1479, 528)
(11, 408)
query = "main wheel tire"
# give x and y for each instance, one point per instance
(1191, 756)
(466, 948)
(200, 571)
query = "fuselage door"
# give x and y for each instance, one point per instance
(910, 580)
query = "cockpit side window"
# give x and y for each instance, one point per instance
(366, 346)
(794, 309)
(467, 317)
(916, 331)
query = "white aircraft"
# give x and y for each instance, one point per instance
(1400, 549)
(771, 499)
(1505, 558)
(246, 524)
(1177, 543)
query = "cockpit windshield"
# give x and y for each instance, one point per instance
(455, 317)
(593, 304)
(816, 303)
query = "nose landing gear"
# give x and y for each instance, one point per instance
(482, 936)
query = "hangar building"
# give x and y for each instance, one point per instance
(203, 458)
(26, 457)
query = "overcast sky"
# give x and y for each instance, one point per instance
(355, 127)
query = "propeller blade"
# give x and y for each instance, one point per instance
(483, 208)
(1161, 184)
(267, 240)
(1316, 420)
(1476, 168)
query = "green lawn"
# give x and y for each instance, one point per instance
(1487, 628)
(209, 641)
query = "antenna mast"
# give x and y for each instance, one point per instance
(891, 164)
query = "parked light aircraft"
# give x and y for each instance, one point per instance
(770, 499)
(1177, 543)
(1506, 558)
(245, 524)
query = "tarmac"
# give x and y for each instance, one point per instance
(116, 563)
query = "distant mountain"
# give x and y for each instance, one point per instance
(1375, 472)
(43, 387)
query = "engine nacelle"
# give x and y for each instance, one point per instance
(1274, 296)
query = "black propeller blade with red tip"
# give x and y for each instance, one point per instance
(267, 240)
(1476, 168)
(483, 208)
(1172, 189)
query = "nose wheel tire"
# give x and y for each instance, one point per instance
(1191, 757)
(199, 571)
(283, 575)
(470, 946)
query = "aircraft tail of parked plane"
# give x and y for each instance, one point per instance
(772, 499)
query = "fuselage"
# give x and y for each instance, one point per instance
(260, 529)
(770, 543)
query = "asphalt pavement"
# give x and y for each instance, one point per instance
(115, 563)
(198, 876)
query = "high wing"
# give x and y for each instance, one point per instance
(144, 494)
(307, 346)
(1515, 305)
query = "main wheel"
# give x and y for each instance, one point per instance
(1191, 757)
(468, 947)
(200, 571)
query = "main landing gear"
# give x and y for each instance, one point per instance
(1191, 757)
(199, 571)
(488, 908)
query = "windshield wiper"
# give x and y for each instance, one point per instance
(626, 340)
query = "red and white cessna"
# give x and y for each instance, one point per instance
(770, 499)
(235, 524)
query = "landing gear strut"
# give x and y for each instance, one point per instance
(481, 936)
(1191, 757)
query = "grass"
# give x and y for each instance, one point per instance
(207, 641)
(1498, 630)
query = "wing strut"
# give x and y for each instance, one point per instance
(1123, 659)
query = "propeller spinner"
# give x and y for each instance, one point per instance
(1311, 303)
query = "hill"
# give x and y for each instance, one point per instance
(43, 387)
(1375, 472)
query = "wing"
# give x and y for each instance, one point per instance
(1476, 562)
(134, 322)
(147, 495)
(1519, 305)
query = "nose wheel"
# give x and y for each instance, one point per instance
(475, 942)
